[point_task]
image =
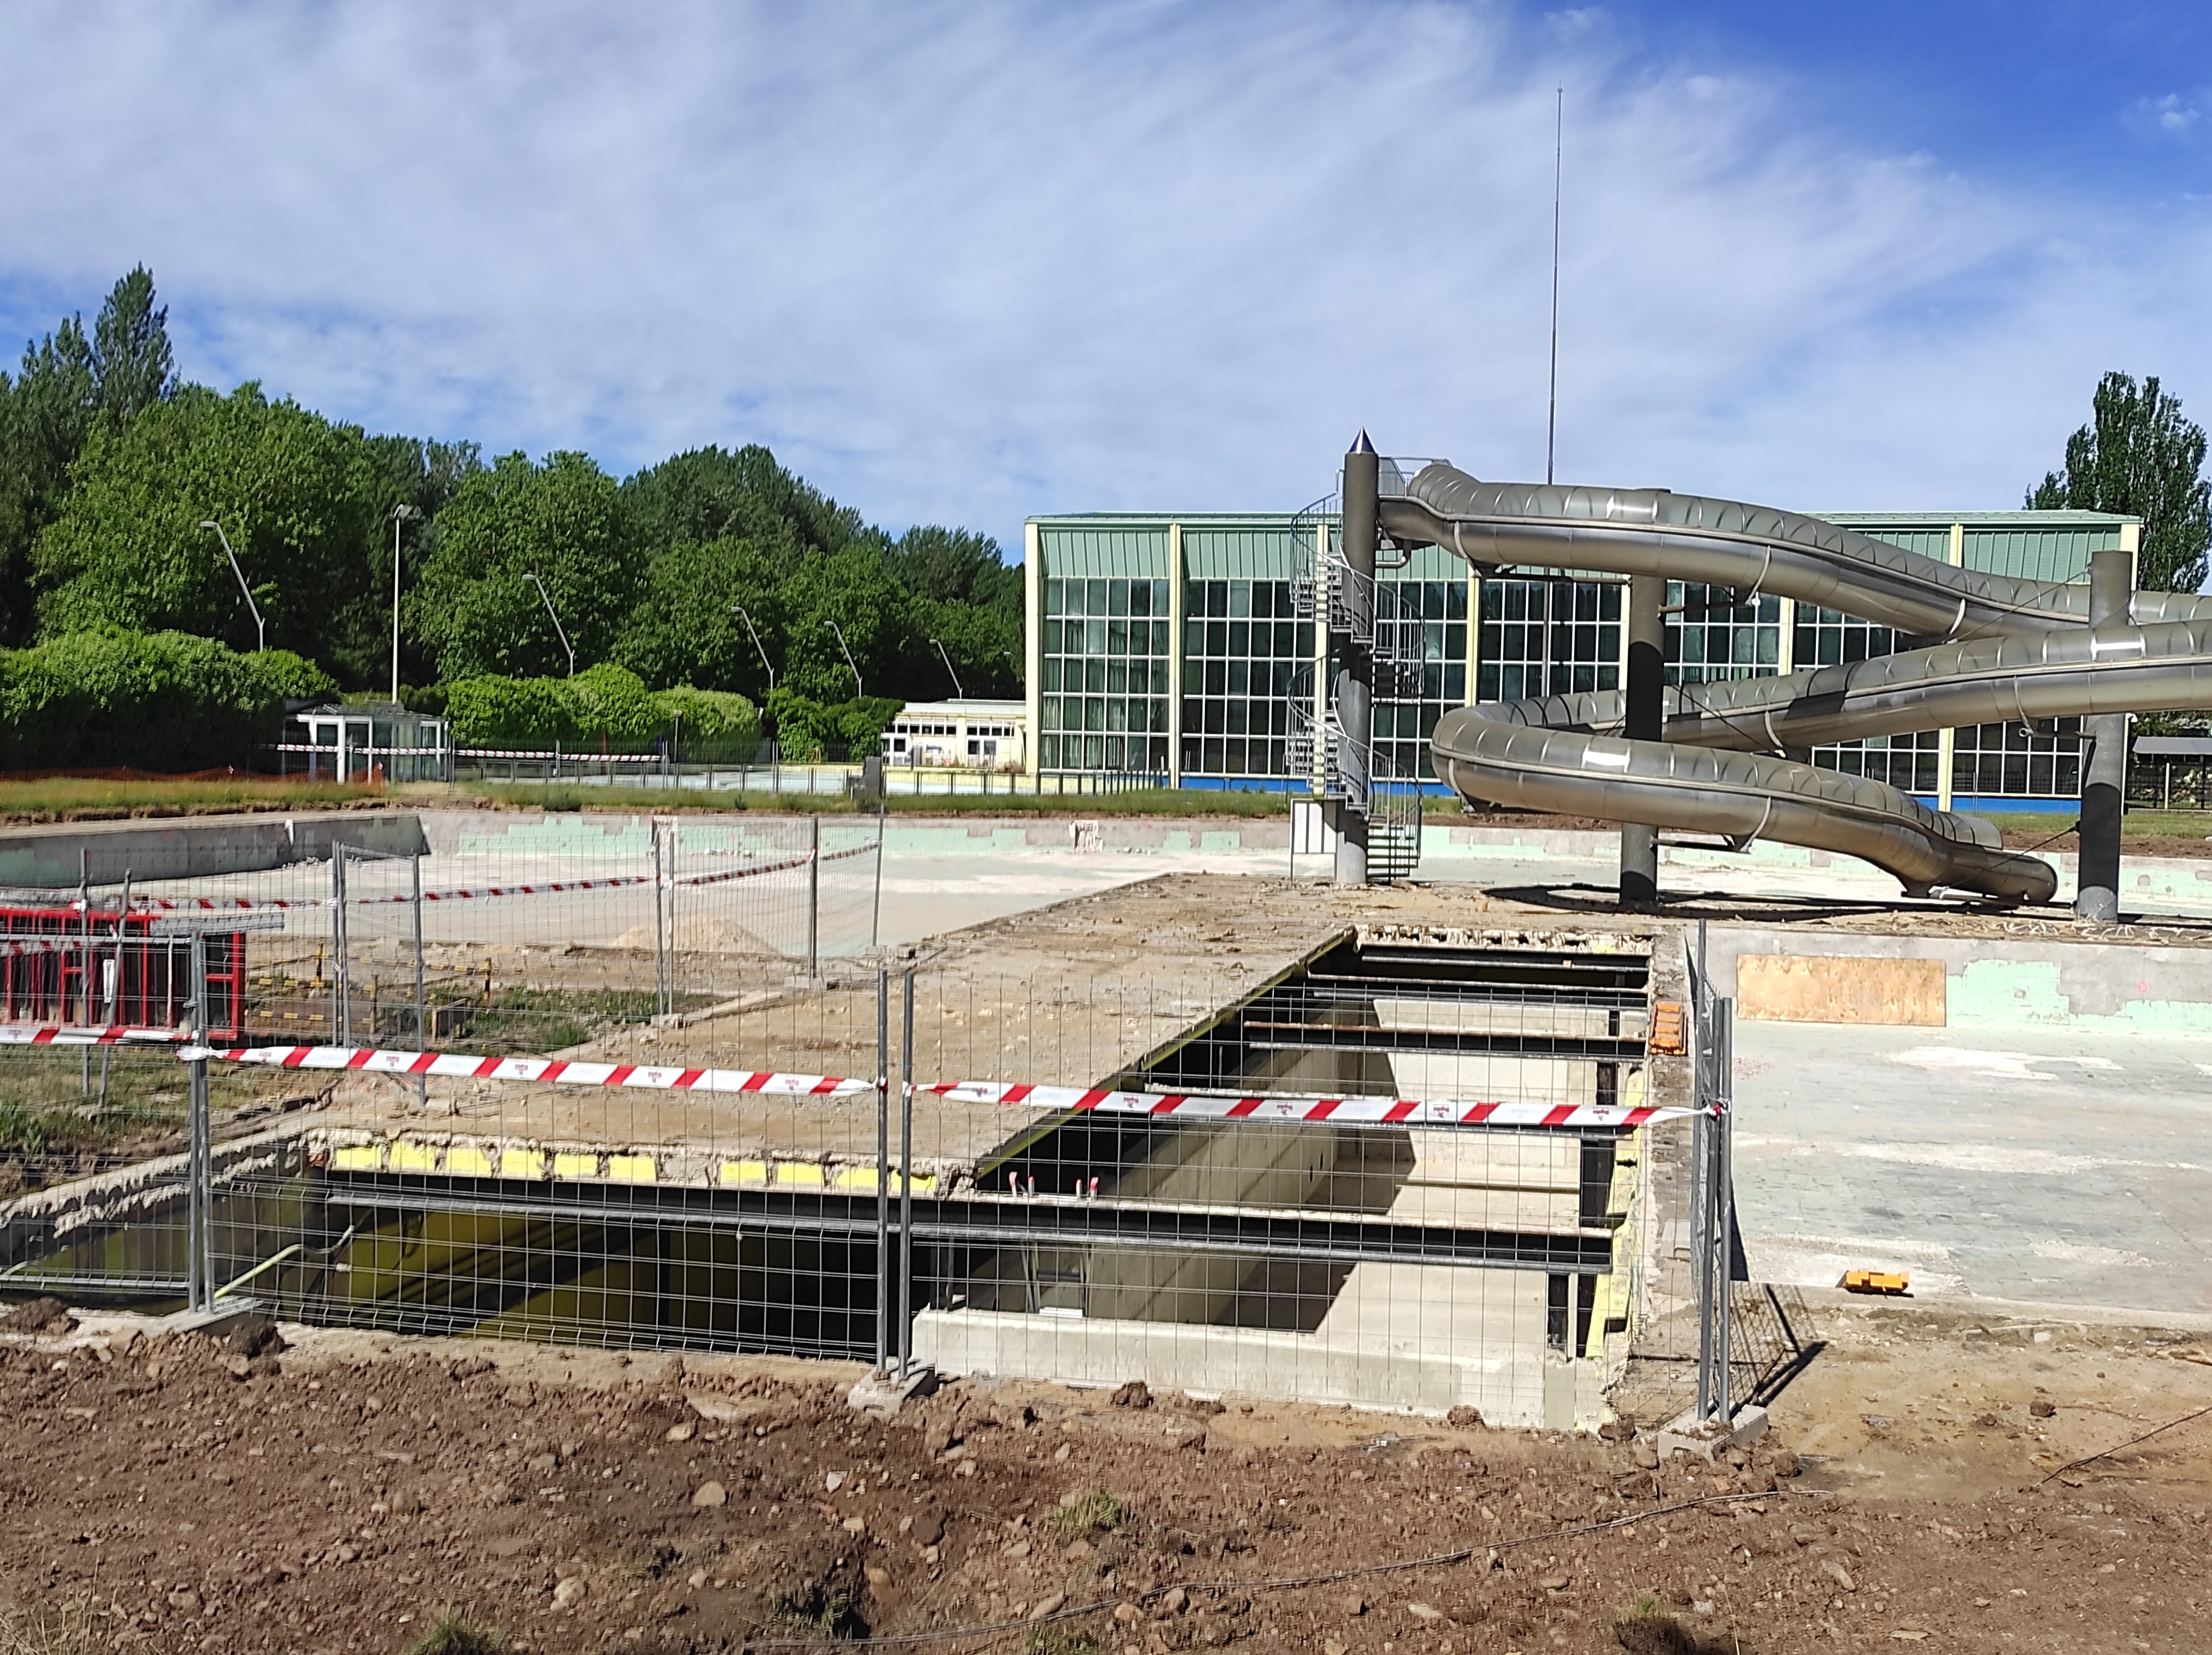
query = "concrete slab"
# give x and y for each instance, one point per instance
(2057, 1167)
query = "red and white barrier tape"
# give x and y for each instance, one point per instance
(1342, 1112)
(689, 880)
(67, 1034)
(552, 1070)
(247, 905)
(1311, 1110)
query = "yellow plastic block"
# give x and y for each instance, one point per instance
(358, 1158)
(745, 1171)
(800, 1172)
(413, 1157)
(859, 1178)
(521, 1163)
(630, 1169)
(466, 1161)
(568, 1165)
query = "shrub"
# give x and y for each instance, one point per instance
(495, 711)
(710, 715)
(165, 701)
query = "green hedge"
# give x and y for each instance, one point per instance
(165, 701)
(804, 728)
(606, 702)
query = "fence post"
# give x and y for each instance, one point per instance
(905, 1173)
(198, 1194)
(883, 1171)
(341, 979)
(422, 1033)
(876, 914)
(660, 947)
(813, 894)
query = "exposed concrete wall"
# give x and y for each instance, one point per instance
(191, 847)
(1992, 984)
(1414, 1338)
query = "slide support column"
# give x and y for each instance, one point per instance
(1355, 676)
(1645, 722)
(2105, 765)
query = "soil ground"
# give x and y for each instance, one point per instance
(164, 1494)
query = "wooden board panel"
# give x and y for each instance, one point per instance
(1781, 988)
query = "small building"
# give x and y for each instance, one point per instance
(366, 740)
(963, 733)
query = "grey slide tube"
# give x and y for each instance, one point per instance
(2013, 651)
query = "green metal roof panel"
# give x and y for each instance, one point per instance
(1134, 549)
(1242, 551)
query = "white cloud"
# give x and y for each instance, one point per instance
(964, 263)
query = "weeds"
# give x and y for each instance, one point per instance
(1052, 1640)
(1099, 1509)
(22, 1635)
(455, 1633)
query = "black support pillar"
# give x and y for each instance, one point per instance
(2105, 759)
(1646, 691)
(1353, 689)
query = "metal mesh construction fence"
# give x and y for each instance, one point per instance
(630, 1115)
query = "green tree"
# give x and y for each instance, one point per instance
(710, 492)
(295, 494)
(683, 630)
(2138, 456)
(67, 381)
(476, 608)
(132, 366)
(423, 476)
(855, 588)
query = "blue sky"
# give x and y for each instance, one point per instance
(966, 262)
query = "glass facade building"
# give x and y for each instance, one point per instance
(1173, 646)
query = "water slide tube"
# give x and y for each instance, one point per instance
(2007, 650)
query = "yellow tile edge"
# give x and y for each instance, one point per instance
(630, 1169)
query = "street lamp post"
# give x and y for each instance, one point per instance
(738, 609)
(959, 694)
(857, 691)
(400, 514)
(260, 630)
(560, 631)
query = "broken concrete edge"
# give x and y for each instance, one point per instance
(1708, 1439)
(216, 1322)
(882, 1392)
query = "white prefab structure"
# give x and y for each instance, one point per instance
(361, 741)
(966, 734)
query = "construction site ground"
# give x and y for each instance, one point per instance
(163, 1492)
